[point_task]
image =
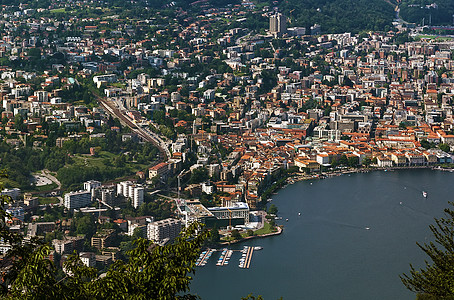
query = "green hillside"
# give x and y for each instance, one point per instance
(415, 10)
(337, 16)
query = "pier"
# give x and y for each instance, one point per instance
(224, 258)
(245, 261)
(203, 258)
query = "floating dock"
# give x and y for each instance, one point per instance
(246, 257)
(224, 258)
(203, 258)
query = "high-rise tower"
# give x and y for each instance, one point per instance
(278, 24)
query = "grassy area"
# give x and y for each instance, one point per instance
(426, 36)
(57, 10)
(102, 159)
(46, 187)
(266, 229)
(48, 200)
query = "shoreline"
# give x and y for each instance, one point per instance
(323, 175)
(302, 177)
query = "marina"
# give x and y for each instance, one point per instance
(226, 254)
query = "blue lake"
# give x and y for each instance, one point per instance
(356, 234)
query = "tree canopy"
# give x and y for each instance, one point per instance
(436, 280)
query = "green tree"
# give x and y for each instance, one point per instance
(367, 161)
(445, 147)
(353, 161)
(272, 209)
(214, 235)
(199, 175)
(236, 234)
(437, 278)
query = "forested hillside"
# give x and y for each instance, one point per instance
(337, 16)
(433, 13)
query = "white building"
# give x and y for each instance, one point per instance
(91, 185)
(88, 259)
(43, 96)
(77, 199)
(135, 192)
(123, 188)
(105, 78)
(137, 197)
(238, 210)
(207, 188)
(163, 231)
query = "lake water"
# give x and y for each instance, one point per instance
(328, 252)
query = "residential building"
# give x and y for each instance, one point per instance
(77, 199)
(164, 231)
(103, 239)
(278, 24)
(88, 259)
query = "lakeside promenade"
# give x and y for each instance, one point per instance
(323, 175)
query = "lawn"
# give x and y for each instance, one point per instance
(46, 187)
(103, 159)
(57, 10)
(48, 200)
(266, 229)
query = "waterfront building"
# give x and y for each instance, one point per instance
(194, 211)
(235, 214)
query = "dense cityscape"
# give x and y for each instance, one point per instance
(117, 126)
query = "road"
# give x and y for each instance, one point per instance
(46, 173)
(144, 133)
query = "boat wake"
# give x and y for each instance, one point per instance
(342, 224)
(414, 210)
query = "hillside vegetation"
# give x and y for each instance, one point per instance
(336, 16)
(415, 10)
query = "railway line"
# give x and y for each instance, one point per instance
(145, 134)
